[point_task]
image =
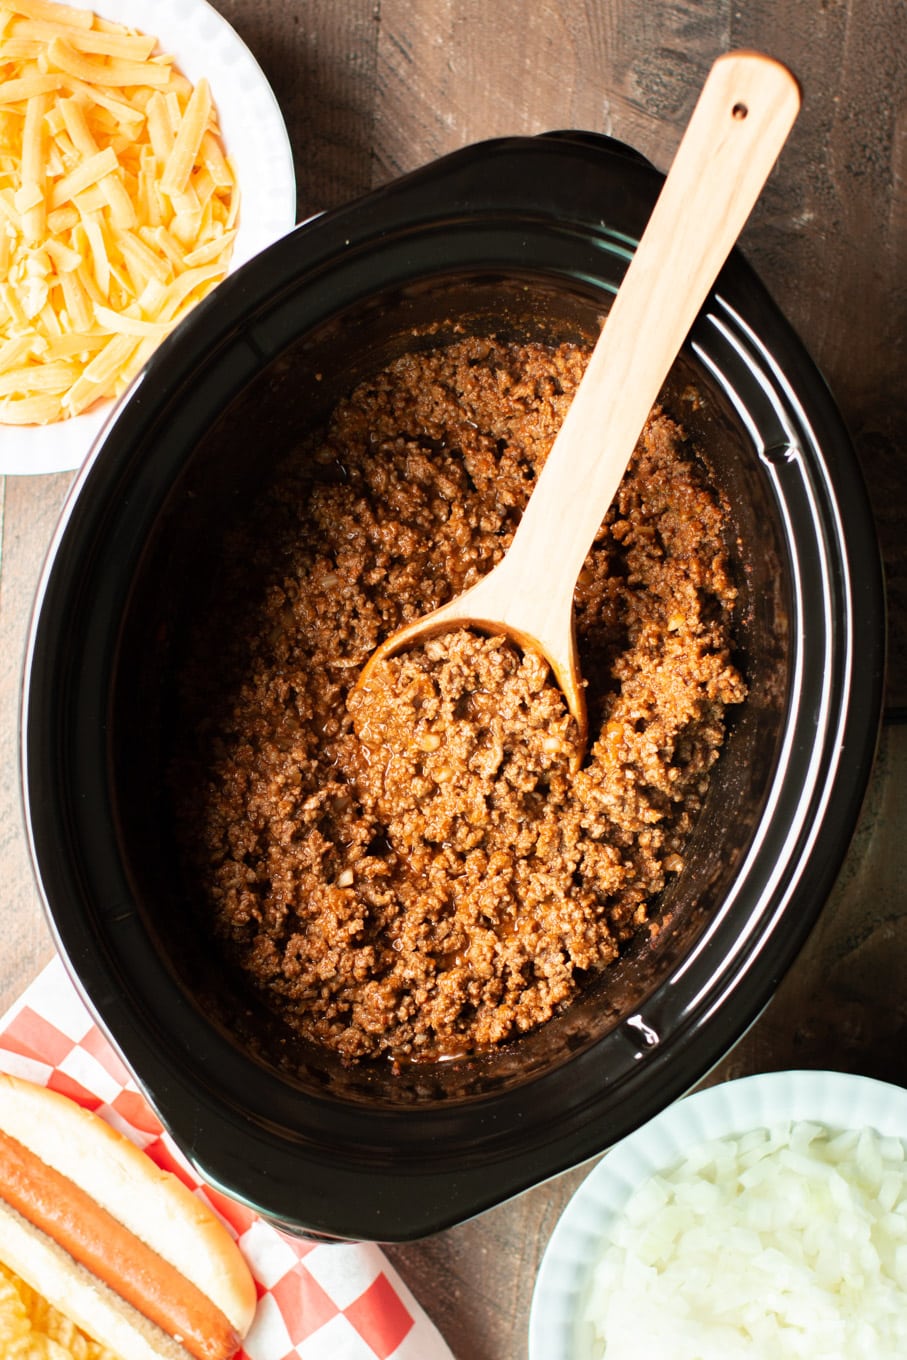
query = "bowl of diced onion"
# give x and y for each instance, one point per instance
(762, 1218)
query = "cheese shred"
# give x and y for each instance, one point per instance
(118, 206)
(30, 1329)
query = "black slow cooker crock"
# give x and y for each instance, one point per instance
(526, 237)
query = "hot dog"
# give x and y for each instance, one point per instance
(120, 1247)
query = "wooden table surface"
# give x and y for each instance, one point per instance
(373, 88)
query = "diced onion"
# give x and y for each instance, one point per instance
(785, 1242)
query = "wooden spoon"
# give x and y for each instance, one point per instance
(739, 125)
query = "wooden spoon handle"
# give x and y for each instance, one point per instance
(738, 127)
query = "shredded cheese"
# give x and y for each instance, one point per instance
(30, 1329)
(118, 206)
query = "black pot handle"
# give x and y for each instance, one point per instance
(598, 141)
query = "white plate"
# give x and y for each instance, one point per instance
(835, 1099)
(254, 133)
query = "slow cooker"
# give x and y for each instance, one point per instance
(527, 237)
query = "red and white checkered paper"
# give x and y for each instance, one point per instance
(316, 1302)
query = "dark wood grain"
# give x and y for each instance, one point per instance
(844, 1004)
(373, 88)
(30, 507)
(830, 238)
(319, 57)
(476, 1280)
(450, 74)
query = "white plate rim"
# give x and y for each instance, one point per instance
(203, 43)
(839, 1100)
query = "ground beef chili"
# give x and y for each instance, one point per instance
(441, 879)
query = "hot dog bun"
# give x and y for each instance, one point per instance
(138, 1221)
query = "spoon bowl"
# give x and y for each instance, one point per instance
(740, 123)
